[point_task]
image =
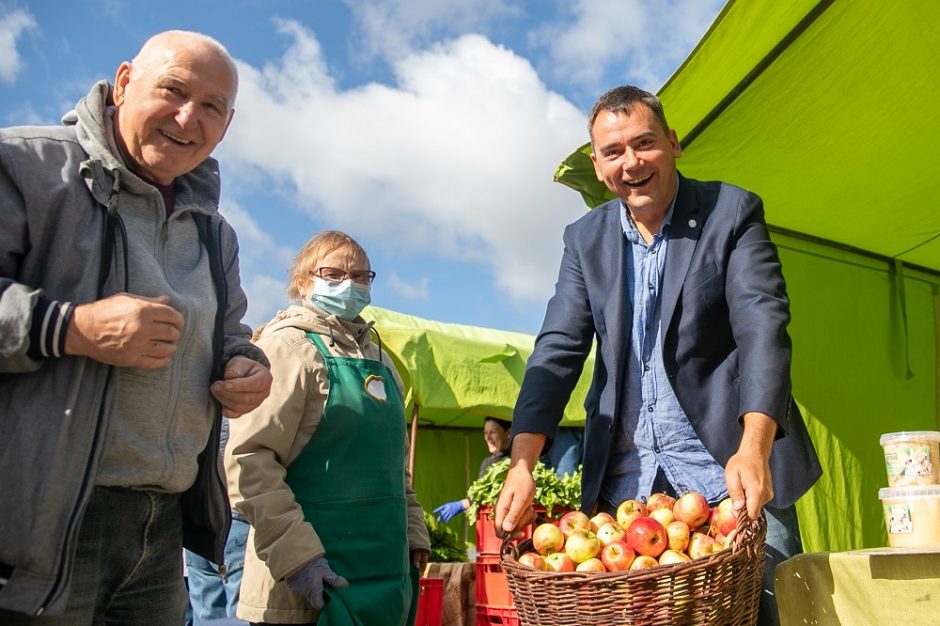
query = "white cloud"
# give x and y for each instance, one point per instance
(12, 25)
(263, 265)
(640, 42)
(409, 290)
(391, 29)
(456, 159)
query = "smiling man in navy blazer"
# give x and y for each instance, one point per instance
(680, 286)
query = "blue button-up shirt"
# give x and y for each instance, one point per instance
(654, 430)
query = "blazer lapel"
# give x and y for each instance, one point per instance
(616, 314)
(684, 232)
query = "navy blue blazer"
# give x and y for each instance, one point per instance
(724, 314)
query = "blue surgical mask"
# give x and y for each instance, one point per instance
(344, 299)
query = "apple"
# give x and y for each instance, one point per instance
(677, 534)
(600, 519)
(591, 565)
(533, 560)
(673, 556)
(692, 508)
(560, 562)
(628, 511)
(701, 545)
(547, 538)
(582, 545)
(574, 521)
(647, 536)
(644, 562)
(724, 518)
(663, 516)
(728, 539)
(611, 531)
(617, 556)
(660, 501)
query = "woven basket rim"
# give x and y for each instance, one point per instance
(746, 535)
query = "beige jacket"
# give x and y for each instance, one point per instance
(262, 443)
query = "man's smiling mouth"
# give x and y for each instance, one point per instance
(638, 183)
(177, 140)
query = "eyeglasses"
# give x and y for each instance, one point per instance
(336, 275)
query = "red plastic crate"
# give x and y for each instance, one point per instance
(430, 602)
(492, 588)
(497, 616)
(489, 543)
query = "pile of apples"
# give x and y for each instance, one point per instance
(662, 531)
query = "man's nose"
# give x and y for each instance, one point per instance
(186, 114)
(630, 159)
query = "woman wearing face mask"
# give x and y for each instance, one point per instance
(319, 469)
(496, 435)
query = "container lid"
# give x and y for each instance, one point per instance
(911, 491)
(913, 434)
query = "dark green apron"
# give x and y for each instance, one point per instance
(350, 482)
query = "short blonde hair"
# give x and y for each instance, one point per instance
(311, 254)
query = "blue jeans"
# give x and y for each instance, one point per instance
(127, 568)
(213, 595)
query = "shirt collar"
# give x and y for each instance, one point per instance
(629, 228)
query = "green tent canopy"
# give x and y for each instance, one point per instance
(454, 377)
(457, 375)
(829, 111)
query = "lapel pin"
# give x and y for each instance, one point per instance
(692, 223)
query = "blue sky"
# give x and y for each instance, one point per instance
(429, 130)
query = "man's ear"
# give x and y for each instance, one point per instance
(597, 170)
(121, 78)
(231, 114)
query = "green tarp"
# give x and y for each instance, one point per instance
(459, 374)
(829, 111)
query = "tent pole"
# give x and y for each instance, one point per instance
(411, 447)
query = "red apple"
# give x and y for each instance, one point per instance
(617, 556)
(662, 515)
(560, 562)
(660, 501)
(573, 521)
(692, 508)
(628, 511)
(611, 531)
(547, 538)
(533, 560)
(724, 518)
(678, 533)
(582, 545)
(591, 565)
(647, 537)
(701, 545)
(600, 519)
(673, 556)
(644, 562)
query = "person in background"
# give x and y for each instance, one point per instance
(213, 588)
(679, 284)
(122, 343)
(319, 469)
(496, 435)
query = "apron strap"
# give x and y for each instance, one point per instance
(316, 340)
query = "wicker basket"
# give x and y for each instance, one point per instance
(723, 588)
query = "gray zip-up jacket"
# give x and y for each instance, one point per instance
(77, 226)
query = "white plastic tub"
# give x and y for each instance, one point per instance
(912, 458)
(912, 515)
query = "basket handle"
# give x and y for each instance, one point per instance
(746, 526)
(508, 546)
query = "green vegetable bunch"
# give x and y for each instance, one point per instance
(550, 490)
(446, 546)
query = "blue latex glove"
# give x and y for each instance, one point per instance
(308, 581)
(446, 512)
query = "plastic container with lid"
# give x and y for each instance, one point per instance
(912, 458)
(912, 515)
